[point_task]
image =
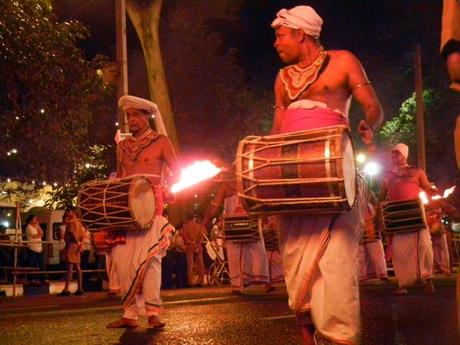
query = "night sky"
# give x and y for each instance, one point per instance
(381, 33)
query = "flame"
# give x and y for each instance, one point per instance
(195, 173)
(423, 197)
(448, 191)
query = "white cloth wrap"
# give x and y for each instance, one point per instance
(412, 257)
(304, 18)
(247, 261)
(127, 102)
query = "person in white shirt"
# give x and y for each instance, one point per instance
(36, 257)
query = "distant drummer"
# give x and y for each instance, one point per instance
(412, 252)
(138, 262)
(315, 91)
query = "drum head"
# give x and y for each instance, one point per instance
(142, 202)
(349, 169)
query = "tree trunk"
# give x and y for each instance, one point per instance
(145, 16)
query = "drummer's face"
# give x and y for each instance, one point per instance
(397, 158)
(287, 44)
(137, 120)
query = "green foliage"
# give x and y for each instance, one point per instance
(402, 128)
(19, 192)
(95, 167)
(48, 92)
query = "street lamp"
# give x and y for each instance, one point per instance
(372, 169)
(360, 158)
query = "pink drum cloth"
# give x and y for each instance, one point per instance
(401, 190)
(295, 120)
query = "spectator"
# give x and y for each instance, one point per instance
(74, 234)
(36, 257)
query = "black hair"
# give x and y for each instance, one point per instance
(29, 218)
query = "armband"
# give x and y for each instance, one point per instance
(361, 85)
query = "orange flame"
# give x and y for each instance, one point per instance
(195, 173)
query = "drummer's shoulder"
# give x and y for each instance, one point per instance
(342, 56)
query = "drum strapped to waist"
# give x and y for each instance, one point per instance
(240, 228)
(371, 232)
(130, 203)
(403, 216)
(302, 172)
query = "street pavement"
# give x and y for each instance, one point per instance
(216, 316)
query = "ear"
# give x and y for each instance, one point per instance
(300, 35)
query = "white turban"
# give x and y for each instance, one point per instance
(300, 17)
(402, 148)
(126, 102)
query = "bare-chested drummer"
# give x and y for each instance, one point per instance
(320, 252)
(138, 262)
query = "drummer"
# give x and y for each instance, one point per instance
(138, 261)
(247, 261)
(320, 252)
(411, 252)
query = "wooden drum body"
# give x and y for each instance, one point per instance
(403, 216)
(130, 203)
(302, 172)
(269, 234)
(240, 228)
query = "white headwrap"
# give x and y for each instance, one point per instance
(300, 17)
(126, 102)
(402, 148)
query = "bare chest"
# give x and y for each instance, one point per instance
(148, 161)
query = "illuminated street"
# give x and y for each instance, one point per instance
(215, 316)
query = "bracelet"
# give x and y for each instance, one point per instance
(361, 85)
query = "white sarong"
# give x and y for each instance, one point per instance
(412, 257)
(372, 260)
(441, 260)
(138, 266)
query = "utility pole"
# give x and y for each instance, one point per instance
(421, 161)
(122, 59)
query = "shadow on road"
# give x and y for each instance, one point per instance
(140, 336)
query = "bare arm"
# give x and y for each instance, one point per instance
(218, 201)
(364, 94)
(383, 191)
(169, 156)
(423, 181)
(280, 106)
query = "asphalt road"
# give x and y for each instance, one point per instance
(215, 316)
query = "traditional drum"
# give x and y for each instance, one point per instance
(403, 216)
(268, 229)
(371, 232)
(121, 204)
(240, 228)
(302, 172)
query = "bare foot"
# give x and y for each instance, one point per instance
(155, 323)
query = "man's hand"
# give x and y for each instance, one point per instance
(367, 135)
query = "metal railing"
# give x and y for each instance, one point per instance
(17, 270)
